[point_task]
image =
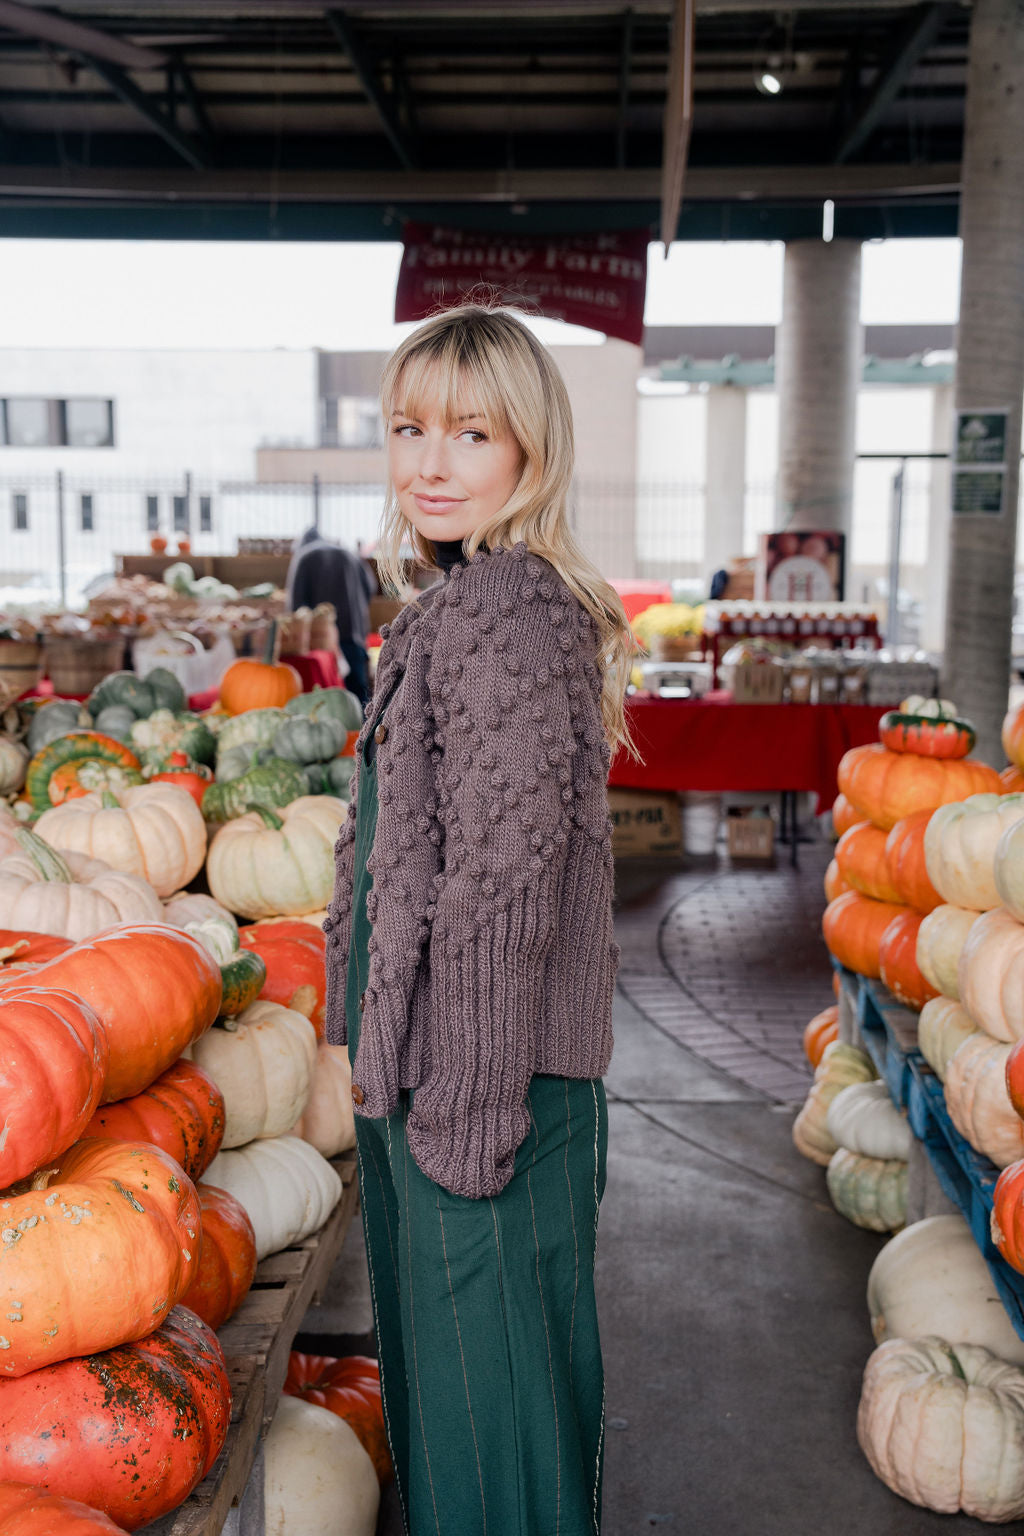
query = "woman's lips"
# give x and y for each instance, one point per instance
(438, 504)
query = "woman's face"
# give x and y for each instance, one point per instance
(450, 480)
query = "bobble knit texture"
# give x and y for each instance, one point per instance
(492, 954)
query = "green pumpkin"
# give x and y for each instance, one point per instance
(329, 704)
(160, 689)
(51, 721)
(271, 783)
(163, 733)
(242, 981)
(117, 721)
(869, 1191)
(306, 739)
(235, 761)
(78, 747)
(333, 778)
(258, 726)
(166, 690)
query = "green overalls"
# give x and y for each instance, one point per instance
(486, 1322)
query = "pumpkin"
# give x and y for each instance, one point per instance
(1007, 1224)
(840, 1066)
(835, 882)
(164, 733)
(116, 720)
(95, 1253)
(186, 907)
(28, 1511)
(88, 775)
(886, 786)
(131, 1431)
(928, 728)
(329, 704)
(69, 895)
(317, 1476)
(154, 830)
(869, 1191)
(960, 848)
(159, 689)
(181, 770)
(844, 815)
(155, 989)
(264, 1068)
(940, 941)
(853, 926)
(820, 1032)
(286, 1187)
(249, 684)
(53, 1065)
(904, 851)
(14, 756)
(333, 778)
(327, 1122)
(1009, 869)
(931, 1278)
(861, 856)
(1012, 781)
(350, 1388)
(18, 947)
(58, 717)
(897, 961)
(863, 1119)
(227, 1258)
(66, 750)
(270, 783)
(1013, 736)
(941, 1031)
(256, 728)
(991, 974)
(304, 739)
(182, 1112)
(264, 864)
(296, 973)
(978, 1102)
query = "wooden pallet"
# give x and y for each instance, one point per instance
(257, 1342)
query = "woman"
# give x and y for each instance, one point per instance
(471, 962)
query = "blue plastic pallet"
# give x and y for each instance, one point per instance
(889, 1032)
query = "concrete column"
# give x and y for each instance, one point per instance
(933, 632)
(818, 361)
(990, 363)
(725, 476)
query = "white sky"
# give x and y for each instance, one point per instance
(231, 294)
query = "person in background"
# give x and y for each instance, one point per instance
(323, 572)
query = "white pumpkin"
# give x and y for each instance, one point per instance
(272, 863)
(931, 1278)
(940, 939)
(863, 1119)
(264, 1068)
(978, 1102)
(942, 1028)
(960, 845)
(43, 891)
(184, 907)
(153, 830)
(869, 1191)
(942, 1424)
(318, 1480)
(991, 975)
(287, 1188)
(839, 1066)
(1009, 870)
(14, 757)
(328, 1122)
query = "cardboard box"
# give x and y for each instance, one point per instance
(749, 836)
(757, 682)
(646, 823)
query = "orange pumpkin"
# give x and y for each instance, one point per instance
(861, 856)
(28, 1511)
(1015, 1077)
(351, 1389)
(887, 786)
(897, 962)
(905, 852)
(227, 1257)
(1013, 736)
(835, 882)
(1008, 1215)
(820, 1032)
(844, 815)
(182, 1112)
(853, 927)
(266, 684)
(1012, 781)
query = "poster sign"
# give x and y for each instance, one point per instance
(595, 280)
(801, 567)
(979, 462)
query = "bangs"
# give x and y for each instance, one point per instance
(445, 377)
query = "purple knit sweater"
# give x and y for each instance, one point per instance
(491, 956)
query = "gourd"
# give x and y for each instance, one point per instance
(165, 732)
(863, 1119)
(317, 1477)
(286, 1187)
(991, 974)
(182, 1112)
(58, 718)
(183, 771)
(820, 1032)
(349, 1388)
(328, 704)
(940, 941)
(75, 748)
(235, 761)
(265, 864)
(960, 848)
(932, 1279)
(86, 775)
(942, 1424)
(255, 728)
(156, 831)
(294, 955)
(271, 784)
(328, 1122)
(70, 895)
(840, 1066)
(941, 1031)
(116, 720)
(14, 757)
(264, 1068)
(227, 1258)
(333, 778)
(1009, 869)
(853, 926)
(304, 740)
(28, 1511)
(897, 961)
(159, 689)
(249, 685)
(96, 1254)
(904, 851)
(861, 856)
(928, 728)
(131, 1431)
(887, 786)
(869, 1191)
(978, 1102)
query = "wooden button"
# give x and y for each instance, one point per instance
(362, 1001)
(357, 1094)
(381, 733)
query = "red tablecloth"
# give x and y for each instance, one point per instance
(638, 595)
(716, 744)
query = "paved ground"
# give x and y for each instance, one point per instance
(732, 1295)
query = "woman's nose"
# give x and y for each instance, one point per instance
(434, 464)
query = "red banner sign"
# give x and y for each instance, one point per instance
(595, 280)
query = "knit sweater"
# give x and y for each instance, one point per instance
(492, 955)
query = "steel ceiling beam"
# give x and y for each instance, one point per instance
(678, 120)
(195, 102)
(382, 101)
(126, 89)
(625, 71)
(912, 41)
(59, 32)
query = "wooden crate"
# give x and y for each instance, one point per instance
(757, 682)
(750, 837)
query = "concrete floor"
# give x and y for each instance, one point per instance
(732, 1302)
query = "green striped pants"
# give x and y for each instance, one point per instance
(486, 1323)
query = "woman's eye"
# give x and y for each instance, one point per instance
(472, 432)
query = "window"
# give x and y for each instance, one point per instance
(206, 514)
(32, 424)
(19, 511)
(180, 504)
(85, 508)
(152, 514)
(89, 423)
(351, 422)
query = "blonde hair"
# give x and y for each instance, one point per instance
(485, 356)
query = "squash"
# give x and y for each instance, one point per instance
(131, 1431)
(1007, 1223)
(333, 778)
(928, 728)
(978, 1102)
(255, 728)
(1013, 736)
(820, 1032)
(861, 856)
(58, 717)
(164, 733)
(178, 769)
(72, 749)
(863, 1119)
(1012, 781)
(182, 1112)
(159, 689)
(328, 1122)
(960, 848)
(87, 775)
(264, 865)
(941, 1031)
(286, 1187)
(264, 1068)
(853, 926)
(317, 1476)
(942, 1425)
(53, 1065)
(296, 970)
(869, 1191)
(887, 786)
(931, 1278)
(236, 760)
(69, 895)
(28, 1511)
(186, 907)
(116, 720)
(350, 1388)
(328, 704)
(991, 974)
(836, 884)
(904, 851)
(1009, 869)
(897, 961)
(940, 941)
(844, 815)
(14, 757)
(304, 740)
(270, 782)
(227, 1258)
(840, 1066)
(156, 831)
(249, 685)
(19, 947)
